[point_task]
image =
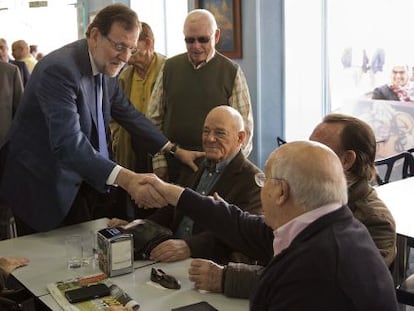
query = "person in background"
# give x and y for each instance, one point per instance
(321, 256)
(137, 82)
(354, 143)
(399, 89)
(39, 56)
(11, 90)
(33, 50)
(191, 84)
(21, 52)
(4, 57)
(223, 135)
(58, 170)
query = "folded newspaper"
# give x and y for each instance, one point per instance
(117, 297)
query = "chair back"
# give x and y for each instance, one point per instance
(405, 291)
(388, 168)
(280, 141)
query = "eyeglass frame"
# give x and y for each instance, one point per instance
(259, 179)
(400, 72)
(120, 47)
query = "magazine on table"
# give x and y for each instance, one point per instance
(116, 297)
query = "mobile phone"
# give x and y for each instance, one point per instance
(87, 293)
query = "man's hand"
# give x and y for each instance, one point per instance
(206, 275)
(9, 264)
(170, 193)
(188, 157)
(171, 250)
(141, 192)
(114, 222)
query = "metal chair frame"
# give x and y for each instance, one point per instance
(389, 162)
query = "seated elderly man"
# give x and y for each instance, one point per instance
(224, 171)
(354, 143)
(322, 256)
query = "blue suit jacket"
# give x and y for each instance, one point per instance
(53, 139)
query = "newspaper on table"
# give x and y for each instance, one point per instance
(117, 297)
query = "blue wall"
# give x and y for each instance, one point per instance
(262, 26)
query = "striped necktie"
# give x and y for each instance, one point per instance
(103, 146)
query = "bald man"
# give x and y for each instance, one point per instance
(312, 232)
(21, 52)
(223, 135)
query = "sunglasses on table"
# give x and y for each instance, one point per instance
(203, 39)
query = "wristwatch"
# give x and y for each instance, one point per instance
(173, 149)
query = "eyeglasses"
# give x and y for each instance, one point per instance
(260, 178)
(120, 47)
(401, 72)
(191, 40)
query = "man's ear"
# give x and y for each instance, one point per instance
(284, 192)
(348, 159)
(217, 35)
(242, 136)
(93, 36)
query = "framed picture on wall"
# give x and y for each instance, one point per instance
(228, 17)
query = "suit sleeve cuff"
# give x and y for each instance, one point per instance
(112, 177)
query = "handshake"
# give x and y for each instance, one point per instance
(147, 190)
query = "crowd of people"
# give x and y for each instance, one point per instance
(108, 127)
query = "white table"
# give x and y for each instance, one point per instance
(46, 252)
(398, 196)
(151, 296)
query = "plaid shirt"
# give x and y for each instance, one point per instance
(239, 99)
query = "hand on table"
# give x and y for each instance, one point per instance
(171, 250)
(114, 222)
(206, 275)
(9, 264)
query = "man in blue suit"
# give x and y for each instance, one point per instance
(55, 169)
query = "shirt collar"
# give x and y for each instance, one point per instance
(284, 235)
(203, 63)
(94, 68)
(220, 166)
